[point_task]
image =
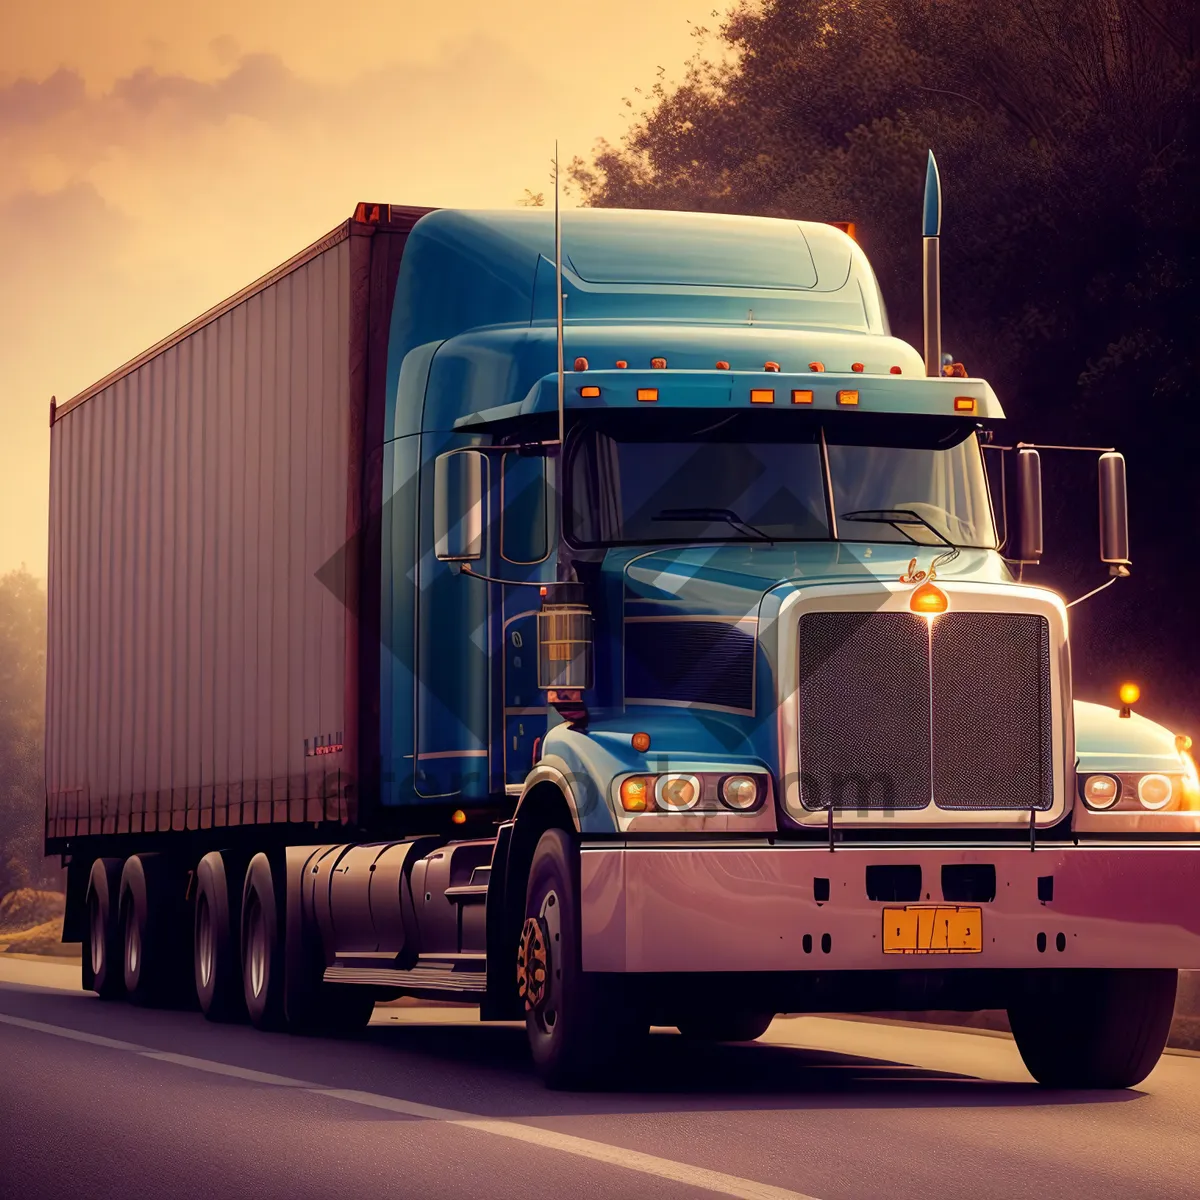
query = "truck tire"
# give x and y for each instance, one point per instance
(1094, 1029)
(725, 1027)
(216, 963)
(154, 931)
(578, 1024)
(102, 972)
(261, 944)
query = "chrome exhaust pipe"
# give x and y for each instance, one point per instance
(932, 228)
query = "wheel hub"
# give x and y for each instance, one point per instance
(532, 965)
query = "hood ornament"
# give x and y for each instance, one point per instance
(927, 598)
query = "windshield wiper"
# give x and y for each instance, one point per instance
(895, 517)
(710, 514)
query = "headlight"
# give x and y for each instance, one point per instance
(740, 792)
(677, 793)
(1101, 791)
(1155, 791)
(696, 791)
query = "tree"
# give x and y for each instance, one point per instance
(22, 691)
(1068, 135)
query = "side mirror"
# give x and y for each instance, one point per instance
(458, 505)
(1114, 514)
(1025, 540)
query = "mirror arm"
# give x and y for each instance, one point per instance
(1108, 583)
(465, 569)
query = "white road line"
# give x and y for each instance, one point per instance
(548, 1139)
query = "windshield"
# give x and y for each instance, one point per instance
(703, 477)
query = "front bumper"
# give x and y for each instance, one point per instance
(701, 909)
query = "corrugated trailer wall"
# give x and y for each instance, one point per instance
(197, 665)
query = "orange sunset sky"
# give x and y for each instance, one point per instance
(159, 155)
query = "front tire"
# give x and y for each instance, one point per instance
(1094, 1029)
(578, 1023)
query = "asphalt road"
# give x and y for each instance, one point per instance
(104, 1100)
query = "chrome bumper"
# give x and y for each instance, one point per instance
(681, 908)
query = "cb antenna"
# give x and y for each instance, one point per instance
(558, 296)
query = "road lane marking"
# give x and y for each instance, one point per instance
(548, 1139)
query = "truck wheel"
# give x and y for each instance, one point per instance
(102, 972)
(215, 962)
(151, 925)
(1094, 1029)
(726, 1027)
(261, 946)
(577, 1022)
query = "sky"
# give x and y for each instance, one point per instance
(159, 155)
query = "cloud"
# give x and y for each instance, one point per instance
(34, 102)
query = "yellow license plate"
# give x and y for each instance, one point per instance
(933, 929)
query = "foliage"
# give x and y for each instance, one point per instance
(22, 691)
(1068, 137)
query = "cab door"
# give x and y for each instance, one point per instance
(525, 545)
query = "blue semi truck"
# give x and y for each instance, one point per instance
(606, 622)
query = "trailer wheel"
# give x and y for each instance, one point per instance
(1094, 1029)
(261, 946)
(153, 931)
(215, 961)
(725, 1027)
(102, 972)
(578, 1024)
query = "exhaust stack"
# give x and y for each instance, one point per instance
(932, 228)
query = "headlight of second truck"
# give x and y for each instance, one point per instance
(1152, 791)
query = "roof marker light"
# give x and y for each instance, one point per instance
(762, 395)
(621, 364)
(581, 364)
(722, 365)
(964, 404)
(802, 396)
(658, 364)
(894, 370)
(589, 393)
(857, 367)
(816, 366)
(648, 394)
(770, 366)
(459, 817)
(847, 397)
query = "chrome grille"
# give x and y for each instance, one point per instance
(895, 711)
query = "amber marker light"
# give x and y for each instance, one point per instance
(648, 394)
(847, 397)
(894, 371)
(635, 794)
(770, 366)
(802, 396)
(1129, 693)
(459, 817)
(589, 393)
(816, 366)
(658, 364)
(857, 367)
(964, 404)
(581, 364)
(762, 395)
(929, 600)
(621, 364)
(722, 365)
(641, 742)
